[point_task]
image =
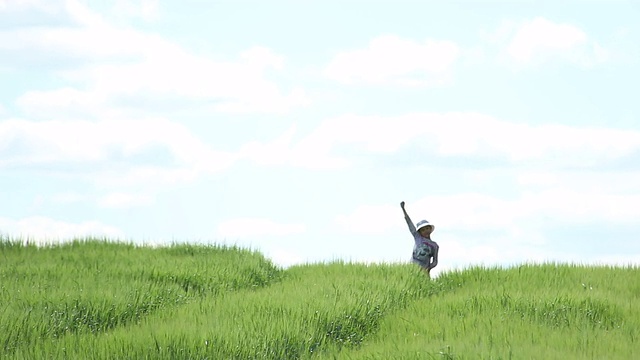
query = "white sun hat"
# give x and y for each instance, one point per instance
(423, 223)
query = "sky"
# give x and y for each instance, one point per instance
(296, 128)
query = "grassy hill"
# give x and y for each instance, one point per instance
(101, 300)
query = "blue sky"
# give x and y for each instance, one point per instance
(296, 128)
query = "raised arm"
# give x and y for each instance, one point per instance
(412, 227)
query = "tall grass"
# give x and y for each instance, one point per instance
(90, 287)
(550, 311)
(97, 299)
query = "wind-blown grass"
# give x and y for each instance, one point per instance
(103, 300)
(550, 311)
(90, 287)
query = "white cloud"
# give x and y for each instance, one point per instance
(539, 178)
(233, 87)
(170, 70)
(584, 208)
(447, 134)
(255, 227)
(100, 143)
(532, 209)
(472, 211)
(540, 35)
(21, 5)
(112, 61)
(595, 181)
(370, 220)
(313, 152)
(116, 200)
(124, 200)
(524, 217)
(93, 38)
(276, 152)
(262, 58)
(394, 60)
(462, 211)
(145, 9)
(68, 198)
(42, 229)
(63, 102)
(267, 103)
(462, 254)
(540, 40)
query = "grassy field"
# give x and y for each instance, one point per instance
(103, 300)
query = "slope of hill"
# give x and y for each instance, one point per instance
(103, 300)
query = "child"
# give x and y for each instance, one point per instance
(425, 250)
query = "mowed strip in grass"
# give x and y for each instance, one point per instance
(109, 301)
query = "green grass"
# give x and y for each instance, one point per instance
(550, 311)
(104, 300)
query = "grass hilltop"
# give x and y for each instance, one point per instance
(93, 299)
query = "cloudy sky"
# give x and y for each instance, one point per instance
(297, 127)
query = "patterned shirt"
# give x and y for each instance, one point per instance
(425, 250)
